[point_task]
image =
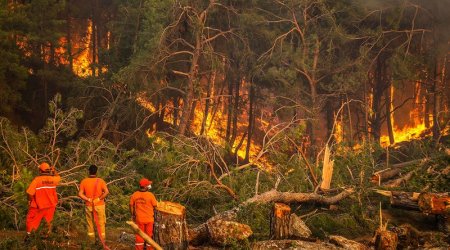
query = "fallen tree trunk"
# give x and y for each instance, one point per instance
(405, 200)
(287, 197)
(386, 174)
(293, 244)
(394, 170)
(199, 233)
(434, 203)
(399, 181)
(223, 233)
(346, 243)
(147, 238)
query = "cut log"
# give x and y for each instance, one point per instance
(399, 181)
(293, 244)
(147, 238)
(434, 203)
(170, 228)
(298, 228)
(405, 200)
(383, 175)
(224, 233)
(394, 170)
(279, 221)
(346, 243)
(385, 240)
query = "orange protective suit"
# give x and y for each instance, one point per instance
(44, 198)
(143, 203)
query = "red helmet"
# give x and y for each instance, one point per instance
(44, 166)
(144, 182)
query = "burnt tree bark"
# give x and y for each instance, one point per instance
(279, 221)
(385, 240)
(251, 122)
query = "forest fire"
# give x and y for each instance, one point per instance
(213, 126)
(82, 61)
(405, 134)
(413, 126)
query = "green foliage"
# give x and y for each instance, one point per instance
(257, 216)
(325, 224)
(12, 73)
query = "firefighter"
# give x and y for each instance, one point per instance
(42, 198)
(93, 191)
(142, 203)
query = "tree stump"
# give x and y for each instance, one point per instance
(170, 229)
(439, 205)
(279, 221)
(385, 240)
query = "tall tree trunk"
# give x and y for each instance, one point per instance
(314, 115)
(69, 37)
(389, 117)
(378, 89)
(436, 102)
(209, 94)
(192, 116)
(162, 112)
(192, 79)
(235, 110)
(176, 110)
(427, 108)
(230, 110)
(251, 122)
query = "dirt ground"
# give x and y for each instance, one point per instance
(15, 240)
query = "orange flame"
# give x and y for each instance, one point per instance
(82, 62)
(416, 125)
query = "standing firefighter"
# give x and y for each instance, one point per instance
(142, 203)
(93, 191)
(42, 198)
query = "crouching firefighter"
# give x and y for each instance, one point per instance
(93, 191)
(142, 203)
(42, 198)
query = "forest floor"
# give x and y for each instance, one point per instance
(11, 239)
